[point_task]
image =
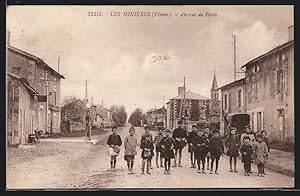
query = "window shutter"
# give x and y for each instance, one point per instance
(237, 98)
(285, 80)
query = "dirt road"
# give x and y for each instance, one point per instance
(87, 166)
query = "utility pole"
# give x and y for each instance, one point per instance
(58, 60)
(47, 102)
(163, 101)
(234, 57)
(182, 102)
(86, 91)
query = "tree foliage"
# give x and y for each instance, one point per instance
(119, 115)
(136, 117)
(73, 108)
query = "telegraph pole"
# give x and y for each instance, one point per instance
(234, 57)
(86, 91)
(58, 60)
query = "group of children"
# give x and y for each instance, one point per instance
(203, 147)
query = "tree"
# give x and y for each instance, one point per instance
(74, 108)
(119, 115)
(136, 117)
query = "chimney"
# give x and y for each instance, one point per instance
(291, 33)
(8, 38)
(181, 91)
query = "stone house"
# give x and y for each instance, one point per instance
(43, 79)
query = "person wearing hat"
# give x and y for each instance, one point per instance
(199, 148)
(247, 154)
(232, 144)
(190, 139)
(88, 122)
(167, 150)
(216, 149)
(260, 154)
(114, 142)
(180, 137)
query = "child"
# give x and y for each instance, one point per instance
(247, 155)
(260, 154)
(179, 136)
(130, 144)
(114, 141)
(147, 132)
(215, 148)
(157, 140)
(199, 147)
(266, 140)
(191, 136)
(232, 144)
(167, 145)
(147, 153)
(209, 136)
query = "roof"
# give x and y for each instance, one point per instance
(192, 96)
(235, 83)
(21, 52)
(24, 82)
(214, 84)
(289, 43)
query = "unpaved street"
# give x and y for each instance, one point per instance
(81, 165)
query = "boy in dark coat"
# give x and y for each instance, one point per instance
(147, 133)
(167, 150)
(209, 136)
(180, 137)
(247, 155)
(199, 148)
(147, 147)
(232, 144)
(215, 148)
(190, 139)
(114, 142)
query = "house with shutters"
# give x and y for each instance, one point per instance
(44, 83)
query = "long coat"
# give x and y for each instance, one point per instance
(260, 152)
(233, 144)
(216, 148)
(200, 147)
(167, 144)
(130, 144)
(149, 145)
(247, 153)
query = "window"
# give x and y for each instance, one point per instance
(280, 81)
(259, 121)
(239, 98)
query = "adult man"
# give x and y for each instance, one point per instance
(88, 120)
(180, 137)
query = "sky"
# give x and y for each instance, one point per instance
(115, 54)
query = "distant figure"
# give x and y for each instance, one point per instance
(180, 137)
(88, 121)
(130, 144)
(114, 142)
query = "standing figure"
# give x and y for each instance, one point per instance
(266, 140)
(216, 149)
(167, 146)
(232, 144)
(209, 136)
(180, 137)
(190, 139)
(260, 154)
(88, 121)
(147, 133)
(147, 147)
(157, 140)
(247, 154)
(130, 144)
(199, 148)
(248, 132)
(114, 142)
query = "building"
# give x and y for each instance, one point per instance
(232, 101)
(270, 92)
(104, 117)
(155, 116)
(45, 81)
(195, 108)
(266, 93)
(21, 102)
